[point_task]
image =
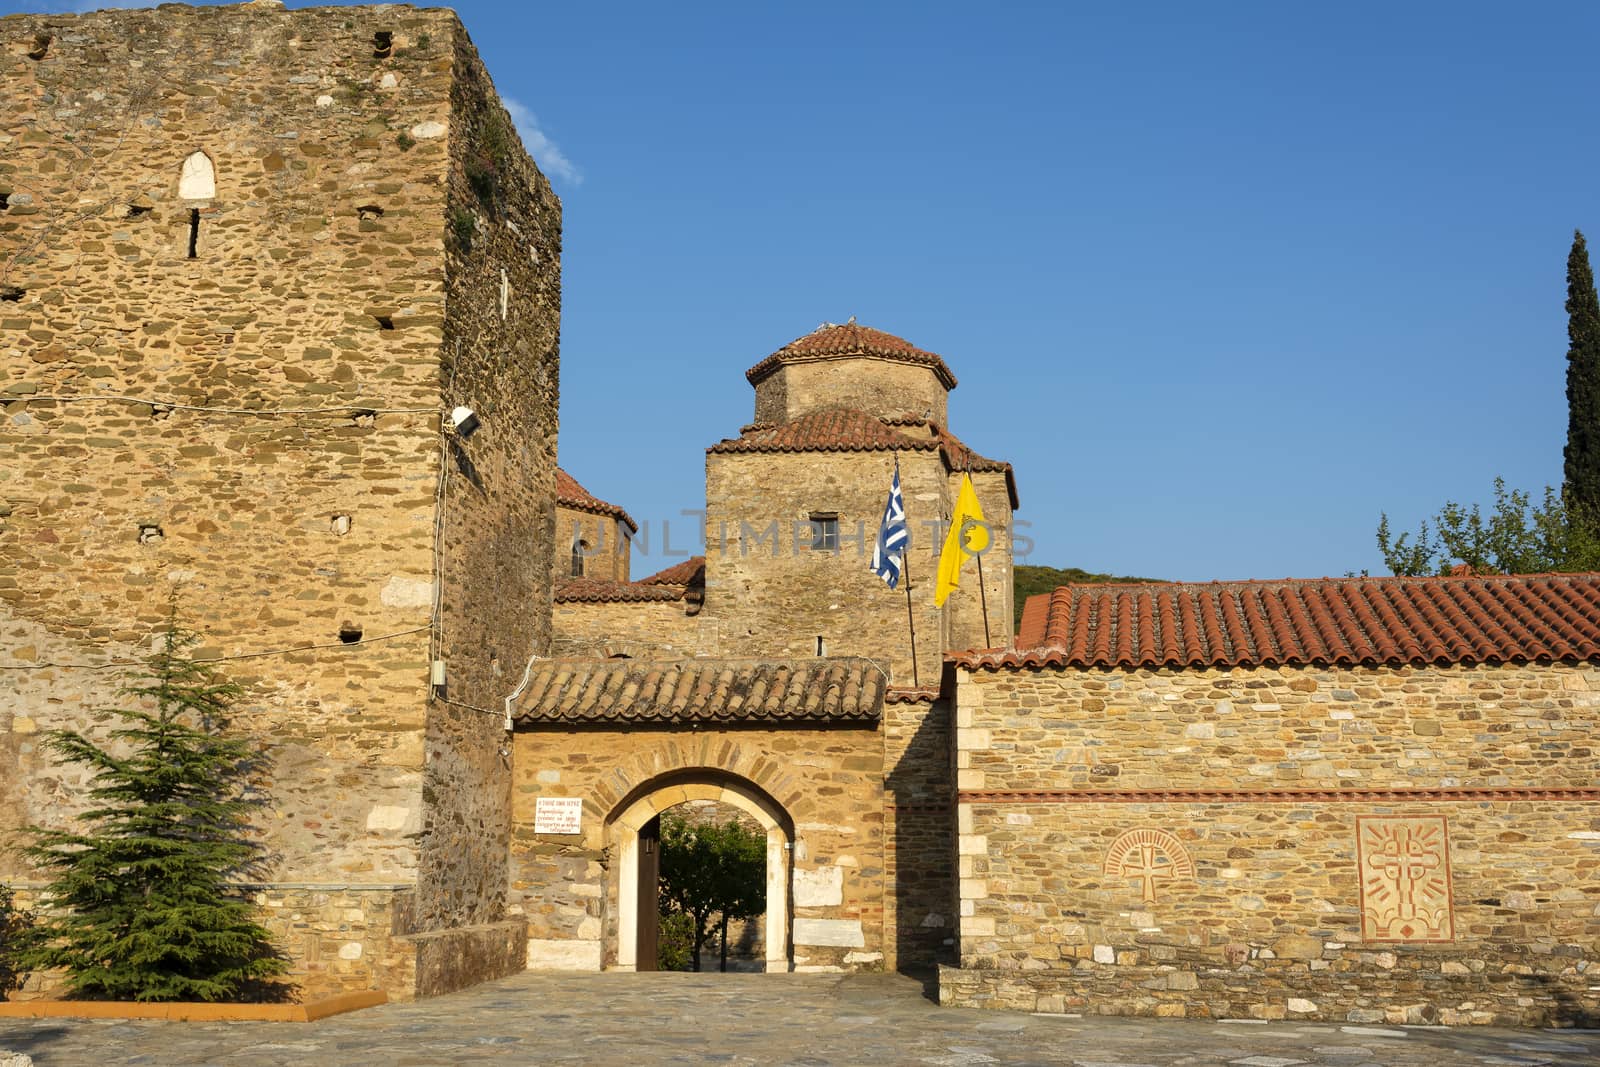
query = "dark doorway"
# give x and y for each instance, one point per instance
(649, 894)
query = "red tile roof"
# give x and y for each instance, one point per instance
(958, 457)
(569, 494)
(1327, 621)
(602, 692)
(686, 580)
(691, 571)
(829, 430)
(831, 341)
(604, 591)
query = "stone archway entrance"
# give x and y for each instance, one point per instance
(630, 833)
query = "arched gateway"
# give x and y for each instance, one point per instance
(602, 747)
(630, 835)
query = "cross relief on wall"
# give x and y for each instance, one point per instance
(1150, 858)
(1404, 869)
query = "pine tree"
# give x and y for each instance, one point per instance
(140, 907)
(1581, 487)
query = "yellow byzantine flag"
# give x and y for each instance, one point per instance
(968, 536)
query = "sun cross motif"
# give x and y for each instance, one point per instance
(1404, 863)
(1148, 857)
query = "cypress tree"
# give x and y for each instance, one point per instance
(1581, 470)
(140, 906)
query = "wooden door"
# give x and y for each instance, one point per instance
(649, 920)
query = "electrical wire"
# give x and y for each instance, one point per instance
(174, 405)
(214, 659)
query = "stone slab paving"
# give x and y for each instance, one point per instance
(811, 1020)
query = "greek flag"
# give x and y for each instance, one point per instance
(888, 555)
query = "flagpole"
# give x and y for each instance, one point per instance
(983, 592)
(911, 620)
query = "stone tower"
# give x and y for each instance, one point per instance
(250, 261)
(794, 502)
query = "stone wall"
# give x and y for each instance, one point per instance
(828, 781)
(919, 832)
(881, 387)
(606, 546)
(257, 427)
(1399, 844)
(769, 597)
(661, 629)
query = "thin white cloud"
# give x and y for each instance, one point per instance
(544, 151)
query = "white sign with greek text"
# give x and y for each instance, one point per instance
(558, 815)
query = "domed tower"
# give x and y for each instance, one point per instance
(851, 366)
(793, 506)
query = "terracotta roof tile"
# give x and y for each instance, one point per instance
(831, 341)
(1326, 621)
(579, 692)
(691, 571)
(957, 456)
(830, 430)
(569, 494)
(604, 591)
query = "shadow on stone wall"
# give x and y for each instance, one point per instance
(922, 841)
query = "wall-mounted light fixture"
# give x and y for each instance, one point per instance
(465, 420)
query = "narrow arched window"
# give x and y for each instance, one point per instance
(197, 184)
(579, 550)
(198, 178)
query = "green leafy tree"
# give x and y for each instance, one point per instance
(712, 872)
(674, 941)
(140, 906)
(14, 926)
(1517, 537)
(1581, 470)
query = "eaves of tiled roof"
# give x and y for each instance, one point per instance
(691, 571)
(832, 341)
(625, 691)
(1311, 622)
(569, 494)
(958, 457)
(829, 430)
(602, 591)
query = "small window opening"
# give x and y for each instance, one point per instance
(41, 45)
(382, 44)
(580, 549)
(150, 534)
(194, 233)
(349, 633)
(822, 646)
(385, 322)
(12, 293)
(139, 211)
(369, 211)
(825, 531)
(5, 201)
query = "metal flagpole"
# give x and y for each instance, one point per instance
(905, 573)
(983, 592)
(911, 620)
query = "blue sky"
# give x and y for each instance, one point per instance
(1223, 281)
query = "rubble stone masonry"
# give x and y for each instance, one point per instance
(255, 426)
(1409, 844)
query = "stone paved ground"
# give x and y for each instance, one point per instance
(816, 1020)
